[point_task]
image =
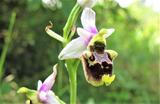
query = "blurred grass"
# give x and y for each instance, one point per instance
(8, 40)
(33, 53)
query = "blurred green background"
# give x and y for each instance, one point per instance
(32, 53)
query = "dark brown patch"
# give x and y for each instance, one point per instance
(92, 58)
(107, 68)
(109, 56)
(31, 102)
(97, 70)
(99, 47)
(91, 48)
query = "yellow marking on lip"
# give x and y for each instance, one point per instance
(108, 79)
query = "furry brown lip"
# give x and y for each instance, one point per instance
(98, 70)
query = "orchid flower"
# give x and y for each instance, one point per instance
(90, 48)
(76, 47)
(86, 3)
(44, 94)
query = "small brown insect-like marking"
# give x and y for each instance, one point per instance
(91, 48)
(92, 58)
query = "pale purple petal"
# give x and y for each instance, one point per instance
(93, 30)
(99, 58)
(51, 98)
(44, 87)
(73, 49)
(86, 36)
(88, 20)
(48, 83)
(83, 33)
(42, 96)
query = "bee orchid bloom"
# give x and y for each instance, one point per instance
(86, 3)
(44, 94)
(76, 47)
(90, 48)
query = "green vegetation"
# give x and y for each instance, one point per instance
(31, 53)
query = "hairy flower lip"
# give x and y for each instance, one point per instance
(96, 71)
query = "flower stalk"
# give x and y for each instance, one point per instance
(68, 32)
(73, 87)
(72, 65)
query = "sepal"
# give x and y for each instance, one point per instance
(53, 34)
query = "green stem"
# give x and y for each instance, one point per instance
(7, 43)
(73, 87)
(72, 64)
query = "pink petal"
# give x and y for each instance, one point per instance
(86, 36)
(42, 96)
(48, 83)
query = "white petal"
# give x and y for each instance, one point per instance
(109, 32)
(52, 98)
(73, 49)
(86, 3)
(88, 20)
(83, 33)
(42, 96)
(39, 84)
